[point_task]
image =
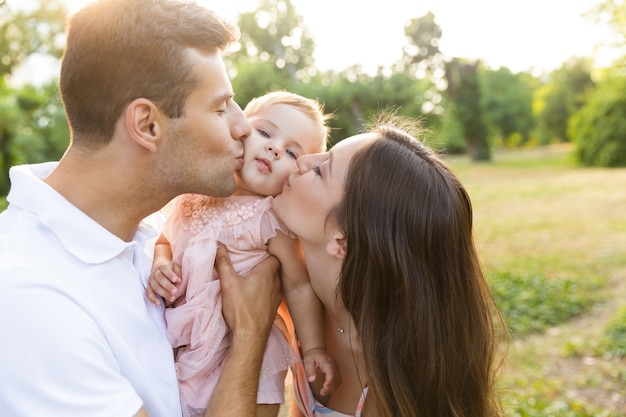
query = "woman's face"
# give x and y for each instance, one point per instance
(309, 194)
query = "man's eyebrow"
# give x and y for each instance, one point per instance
(223, 97)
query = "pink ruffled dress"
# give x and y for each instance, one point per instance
(196, 327)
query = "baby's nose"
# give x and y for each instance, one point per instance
(273, 149)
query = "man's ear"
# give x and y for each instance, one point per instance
(337, 247)
(143, 123)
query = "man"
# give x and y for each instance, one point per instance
(152, 115)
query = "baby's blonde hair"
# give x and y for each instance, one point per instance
(313, 109)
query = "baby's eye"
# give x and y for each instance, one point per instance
(293, 154)
(263, 133)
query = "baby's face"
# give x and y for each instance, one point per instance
(280, 134)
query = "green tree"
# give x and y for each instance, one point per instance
(461, 80)
(421, 52)
(24, 32)
(356, 97)
(422, 57)
(468, 107)
(562, 96)
(32, 122)
(612, 13)
(275, 33)
(33, 127)
(599, 128)
(508, 105)
(277, 53)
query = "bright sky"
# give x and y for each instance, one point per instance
(521, 35)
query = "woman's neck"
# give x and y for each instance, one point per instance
(342, 341)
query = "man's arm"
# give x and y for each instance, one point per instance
(249, 307)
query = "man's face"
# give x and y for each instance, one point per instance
(204, 145)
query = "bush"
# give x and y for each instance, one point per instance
(532, 303)
(598, 129)
(613, 341)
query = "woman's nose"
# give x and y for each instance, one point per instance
(306, 162)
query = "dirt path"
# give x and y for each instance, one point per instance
(565, 355)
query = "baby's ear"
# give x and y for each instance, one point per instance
(337, 246)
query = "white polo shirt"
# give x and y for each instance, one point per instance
(77, 335)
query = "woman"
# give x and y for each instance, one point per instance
(386, 231)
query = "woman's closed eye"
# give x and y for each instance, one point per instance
(317, 170)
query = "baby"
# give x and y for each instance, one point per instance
(284, 126)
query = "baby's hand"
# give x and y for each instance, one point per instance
(318, 359)
(164, 281)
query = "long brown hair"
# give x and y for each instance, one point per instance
(413, 283)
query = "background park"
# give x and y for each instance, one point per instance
(543, 156)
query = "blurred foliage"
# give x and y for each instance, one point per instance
(560, 98)
(613, 341)
(457, 76)
(612, 14)
(599, 128)
(32, 119)
(508, 106)
(24, 32)
(469, 108)
(33, 127)
(542, 400)
(533, 303)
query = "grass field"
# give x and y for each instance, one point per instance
(552, 238)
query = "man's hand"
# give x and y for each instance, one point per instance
(249, 303)
(249, 306)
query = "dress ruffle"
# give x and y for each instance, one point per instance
(196, 327)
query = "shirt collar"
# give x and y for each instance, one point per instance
(77, 232)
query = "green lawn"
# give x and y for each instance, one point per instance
(552, 238)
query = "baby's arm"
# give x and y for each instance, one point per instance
(306, 311)
(165, 277)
